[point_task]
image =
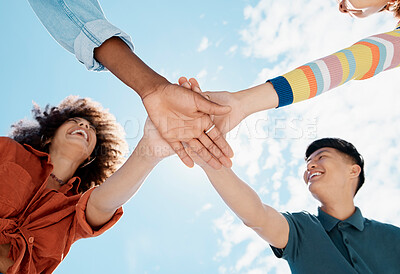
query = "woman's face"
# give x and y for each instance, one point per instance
(74, 139)
(362, 8)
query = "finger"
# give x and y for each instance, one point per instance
(214, 150)
(207, 95)
(210, 107)
(181, 152)
(182, 80)
(216, 136)
(195, 85)
(204, 154)
(186, 85)
(194, 82)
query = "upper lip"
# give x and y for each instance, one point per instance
(82, 132)
(314, 173)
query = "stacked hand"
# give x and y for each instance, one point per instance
(223, 123)
(182, 115)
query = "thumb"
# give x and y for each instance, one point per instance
(209, 107)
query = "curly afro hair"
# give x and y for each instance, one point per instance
(110, 148)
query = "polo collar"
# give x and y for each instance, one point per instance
(329, 222)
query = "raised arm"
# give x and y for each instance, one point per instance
(247, 205)
(124, 183)
(179, 114)
(362, 60)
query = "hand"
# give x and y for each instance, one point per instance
(181, 115)
(226, 122)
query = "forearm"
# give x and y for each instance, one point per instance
(118, 58)
(240, 197)
(362, 60)
(258, 98)
(121, 186)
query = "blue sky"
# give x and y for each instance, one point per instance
(177, 223)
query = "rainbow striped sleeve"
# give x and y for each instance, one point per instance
(362, 60)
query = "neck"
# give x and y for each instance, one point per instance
(340, 210)
(63, 168)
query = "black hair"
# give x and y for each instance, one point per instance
(345, 148)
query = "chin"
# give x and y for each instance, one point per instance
(313, 188)
(78, 148)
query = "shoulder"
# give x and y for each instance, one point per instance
(384, 227)
(302, 222)
(7, 141)
(302, 216)
(8, 145)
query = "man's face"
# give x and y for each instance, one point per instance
(327, 173)
(362, 8)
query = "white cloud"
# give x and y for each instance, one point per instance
(203, 73)
(204, 44)
(232, 49)
(205, 208)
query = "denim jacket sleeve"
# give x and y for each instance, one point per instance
(79, 26)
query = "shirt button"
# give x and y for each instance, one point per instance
(346, 241)
(30, 240)
(340, 225)
(354, 260)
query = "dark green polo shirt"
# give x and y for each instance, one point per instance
(324, 244)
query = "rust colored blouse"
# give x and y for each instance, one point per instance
(40, 224)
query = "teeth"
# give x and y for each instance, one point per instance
(315, 174)
(80, 131)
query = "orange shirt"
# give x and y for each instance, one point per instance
(41, 224)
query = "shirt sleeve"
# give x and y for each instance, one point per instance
(304, 229)
(78, 26)
(83, 229)
(362, 60)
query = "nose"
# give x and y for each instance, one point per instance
(311, 165)
(342, 7)
(84, 125)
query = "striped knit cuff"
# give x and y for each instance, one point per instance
(283, 89)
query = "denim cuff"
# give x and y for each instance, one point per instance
(92, 35)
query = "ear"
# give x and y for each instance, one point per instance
(355, 171)
(305, 176)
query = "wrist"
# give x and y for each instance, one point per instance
(146, 153)
(258, 98)
(153, 84)
(118, 58)
(211, 172)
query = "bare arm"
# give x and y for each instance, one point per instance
(178, 113)
(247, 205)
(119, 188)
(124, 183)
(242, 199)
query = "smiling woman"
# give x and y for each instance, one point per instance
(57, 181)
(108, 139)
